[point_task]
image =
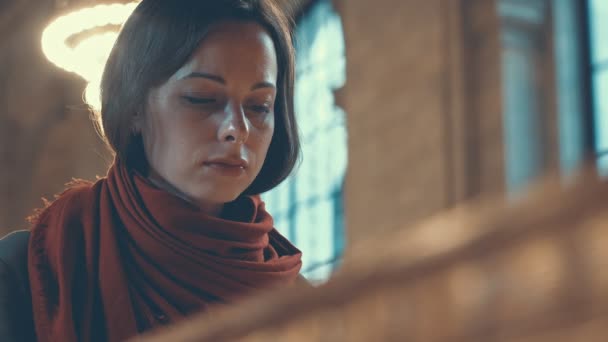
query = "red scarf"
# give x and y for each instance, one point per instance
(111, 259)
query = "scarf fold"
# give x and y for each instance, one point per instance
(118, 257)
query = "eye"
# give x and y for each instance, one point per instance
(198, 100)
(261, 109)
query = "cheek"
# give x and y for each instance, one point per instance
(187, 142)
(171, 143)
(267, 133)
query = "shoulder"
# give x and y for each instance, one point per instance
(62, 217)
(71, 201)
(60, 223)
(13, 259)
(13, 251)
(10, 243)
(15, 304)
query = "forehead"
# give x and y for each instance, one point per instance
(241, 48)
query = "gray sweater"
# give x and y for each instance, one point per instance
(16, 322)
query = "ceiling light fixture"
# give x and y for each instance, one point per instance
(81, 41)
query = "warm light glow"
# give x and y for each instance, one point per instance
(88, 57)
(92, 96)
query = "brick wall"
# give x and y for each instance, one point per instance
(423, 103)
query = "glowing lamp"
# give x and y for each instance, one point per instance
(81, 41)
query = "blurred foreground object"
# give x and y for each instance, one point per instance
(486, 271)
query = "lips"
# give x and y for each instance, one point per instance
(228, 162)
(227, 166)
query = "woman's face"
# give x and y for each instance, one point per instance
(207, 129)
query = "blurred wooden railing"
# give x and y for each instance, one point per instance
(533, 269)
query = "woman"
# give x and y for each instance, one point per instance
(197, 104)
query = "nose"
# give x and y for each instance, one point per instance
(235, 126)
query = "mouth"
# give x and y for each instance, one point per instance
(225, 166)
(227, 162)
(230, 166)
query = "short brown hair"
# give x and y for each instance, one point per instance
(159, 38)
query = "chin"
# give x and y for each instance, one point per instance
(218, 196)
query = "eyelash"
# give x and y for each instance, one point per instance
(261, 109)
(198, 100)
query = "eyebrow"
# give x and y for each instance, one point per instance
(220, 80)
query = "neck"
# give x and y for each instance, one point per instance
(211, 209)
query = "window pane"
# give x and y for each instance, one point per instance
(599, 30)
(600, 85)
(317, 218)
(308, 207)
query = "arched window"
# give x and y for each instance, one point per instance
(308, 207)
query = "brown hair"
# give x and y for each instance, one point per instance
(158, 38)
